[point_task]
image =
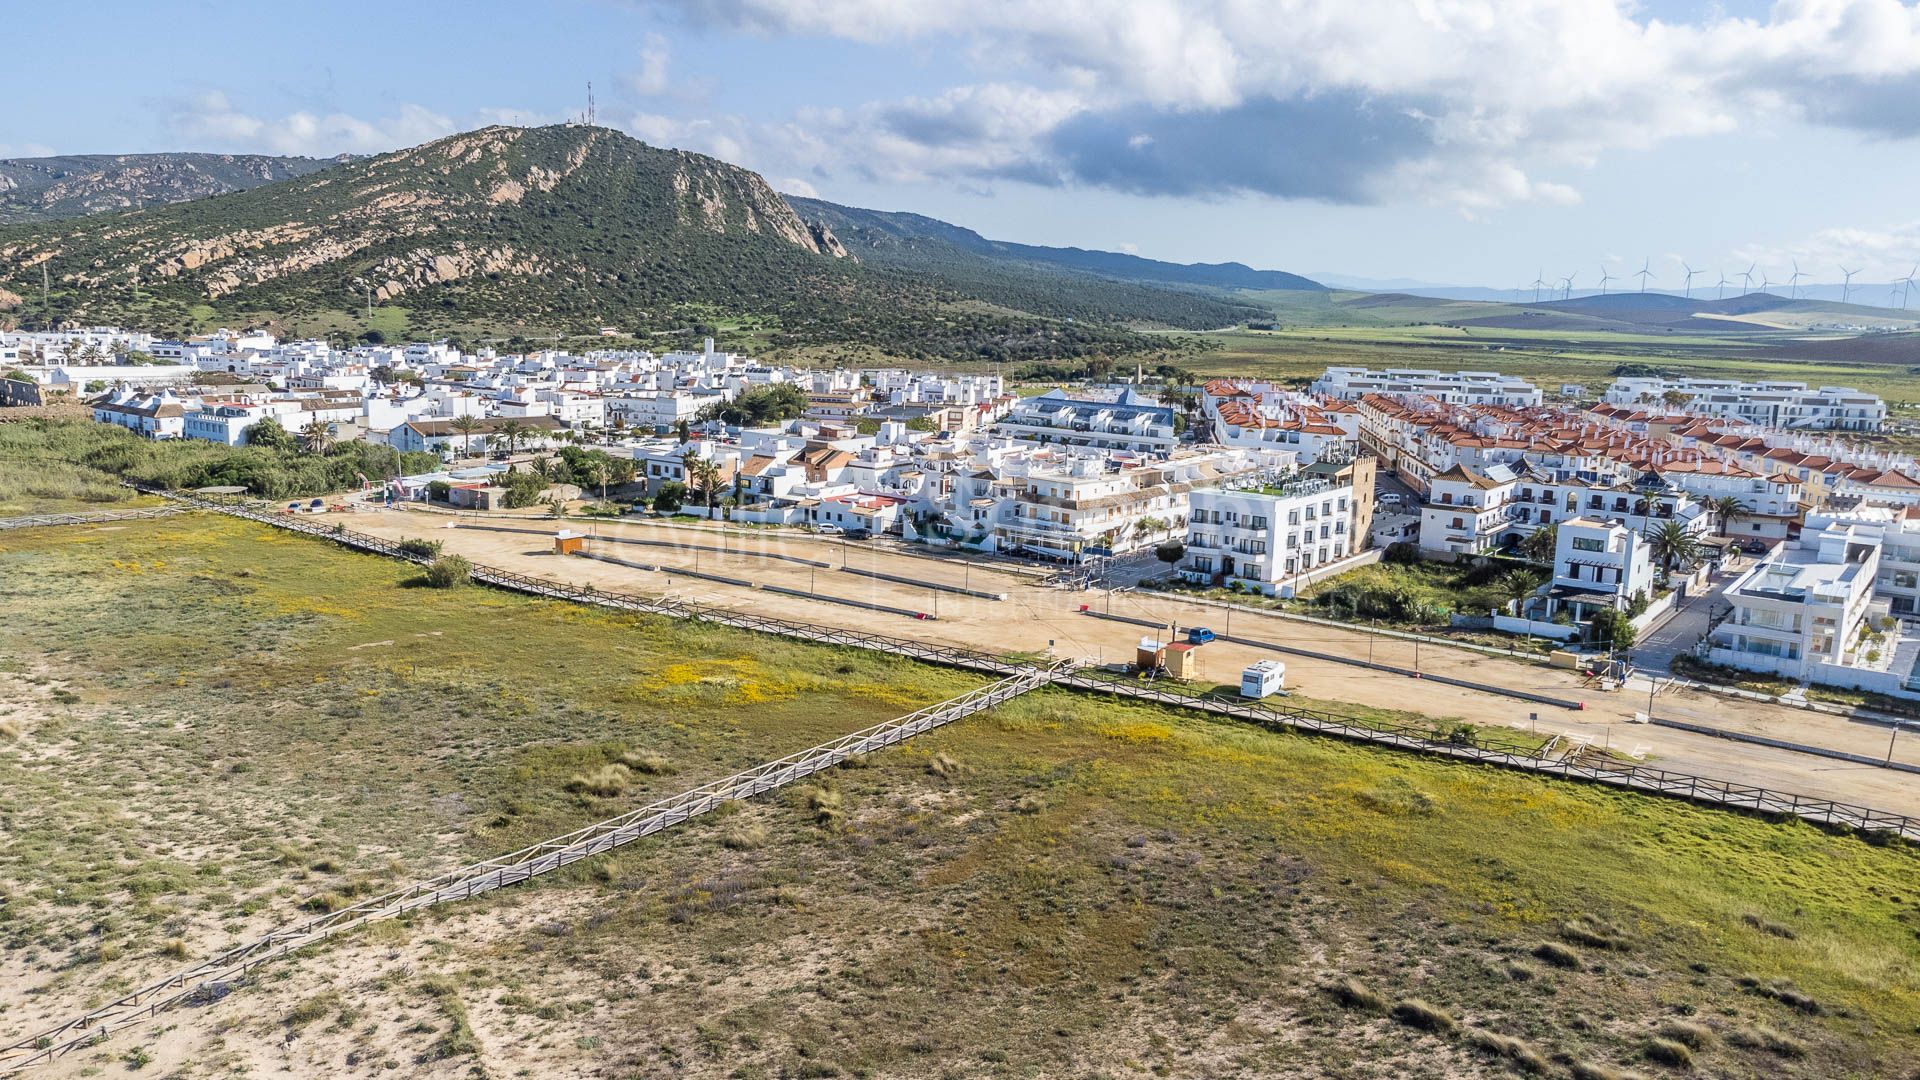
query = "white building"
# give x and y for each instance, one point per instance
(1126, 421)
(1264, 535)
(1801, 613)
(1456, 388)
(1789, 405)
(1598, 563)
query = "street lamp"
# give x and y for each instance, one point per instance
(1897, 725)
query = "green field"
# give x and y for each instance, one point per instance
(1547, 358)
(210, 726)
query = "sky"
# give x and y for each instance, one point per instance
(1469, 142)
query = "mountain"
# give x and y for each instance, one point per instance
(49, 188)
(912, 239)
(522, 232)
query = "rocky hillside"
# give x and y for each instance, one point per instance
(49, 188)
(527, 231)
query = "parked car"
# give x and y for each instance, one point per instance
(828, 529)
(1199, 635)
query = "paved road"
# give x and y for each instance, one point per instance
(1678, 631)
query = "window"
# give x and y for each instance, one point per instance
(1589, 543)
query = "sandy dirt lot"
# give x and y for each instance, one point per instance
(1035, 617)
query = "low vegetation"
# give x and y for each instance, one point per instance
(1065, 885)
(52, 465)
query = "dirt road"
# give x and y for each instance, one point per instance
(1034, 618)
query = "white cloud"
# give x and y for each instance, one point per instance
(793, 185)
(1880, 254)
(651, 78)
(210, 121)
(1505, 93)
(25, 150)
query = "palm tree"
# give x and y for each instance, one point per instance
(467, 426)
(704, 472)
(1517, 585)
(1539, 544)
(598, 472)
(1672, 543)
(316, 437)
(1726, 509)
(512, 432)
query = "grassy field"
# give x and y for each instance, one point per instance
(239, 724)
(1546, 358)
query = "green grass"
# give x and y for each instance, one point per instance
(301, 726)
(1067, 885)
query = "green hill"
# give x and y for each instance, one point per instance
(507, 232)
(50, 188)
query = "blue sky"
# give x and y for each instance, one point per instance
(1457, 141)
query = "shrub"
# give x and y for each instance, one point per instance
(1670, 1053)
(745, 836)
(1170, 552)
(449, 572)
(943, 766)
(1558, 955)
(1401, 553)
(670, 497)
(1353, 994)
(420, 548)
(1518, 1053)
(651, 762)
(1761, 1037)
(1693, 1036)
(438, 491)
(1766, 927)
(1594, 934)
(604, 782)
(1029, 803)
(826, 804)
(1418, 1013)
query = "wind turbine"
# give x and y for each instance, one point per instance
(1567, 286)
(1906, 285)
(1539, 282)
(1604, 278)
(1765, 282)
(1690, 272)
(1794, 281)
(1720, 287)
(1748, 276)
(1644, 273)
(1846, 289)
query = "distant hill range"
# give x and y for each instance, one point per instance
(904, 239)
(50, 188)
(524, 231)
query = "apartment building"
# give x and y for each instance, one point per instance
(1454, 388)
(1128, 420)
(1801, 613)
(1263, 534)
(1788, 405)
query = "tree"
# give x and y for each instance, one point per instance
(1539, 544)
(1613, 629)
(1675, 398)
(1517, 585)
(511, 433)
(449, 572)
(1170, 552)
(704, 472)
(316, 437)
(599, 472)
(1672, 543)
(1726, 509)
(467, 427)
(269, 434)
(670, 496)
